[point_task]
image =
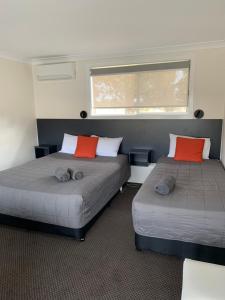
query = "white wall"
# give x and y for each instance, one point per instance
(65, 99)
(17, 115)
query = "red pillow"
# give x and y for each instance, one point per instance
(189, 149)
(86, 146)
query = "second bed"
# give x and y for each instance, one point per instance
(189, 222)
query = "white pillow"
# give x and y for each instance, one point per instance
(108, 146)
(69, 144)
(173, 142)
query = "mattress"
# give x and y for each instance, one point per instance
(32, 192)
(194, 212)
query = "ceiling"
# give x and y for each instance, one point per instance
(36, 28)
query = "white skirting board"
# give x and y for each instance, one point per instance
(139, 173)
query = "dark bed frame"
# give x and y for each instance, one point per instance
(181, 249)
(77, 233)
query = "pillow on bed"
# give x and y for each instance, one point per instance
(86, 146)
(69, 144)
(173, 141)
(189, 149)
(108, 146)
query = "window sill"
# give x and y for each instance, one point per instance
(186, 115)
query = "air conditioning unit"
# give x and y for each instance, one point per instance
(57, 71)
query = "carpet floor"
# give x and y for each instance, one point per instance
(35, 265)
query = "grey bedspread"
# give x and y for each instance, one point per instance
(31, 191)
(193, 212)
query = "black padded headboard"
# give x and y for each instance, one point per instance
(153, 133)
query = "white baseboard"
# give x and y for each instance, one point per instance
(139, 173)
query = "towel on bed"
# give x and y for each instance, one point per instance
(75, 175)
(62, 174)
(165, 185)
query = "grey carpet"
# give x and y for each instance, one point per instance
(35, 265)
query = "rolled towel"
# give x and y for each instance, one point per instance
(165, 185)
(62, 174)
(75, 175)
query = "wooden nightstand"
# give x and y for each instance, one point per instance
(45, 149)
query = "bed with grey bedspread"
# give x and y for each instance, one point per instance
(32, 192)
(194, 212)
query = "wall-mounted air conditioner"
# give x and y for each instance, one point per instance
(57, 71)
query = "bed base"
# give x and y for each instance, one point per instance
(77, 233)
(181, 249)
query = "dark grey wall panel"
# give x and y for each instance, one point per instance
(151, 133)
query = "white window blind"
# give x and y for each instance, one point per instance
(140, 88)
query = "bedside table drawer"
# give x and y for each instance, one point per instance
(140, 157)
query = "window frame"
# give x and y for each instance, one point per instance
(156, 115)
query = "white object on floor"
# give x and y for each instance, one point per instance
(203, 281)
(140, 173)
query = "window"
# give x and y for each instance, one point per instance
(140, 89)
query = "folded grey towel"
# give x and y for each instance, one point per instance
(75, 175)
(165, 185)
(62, 174)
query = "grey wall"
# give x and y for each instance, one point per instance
(137, 133)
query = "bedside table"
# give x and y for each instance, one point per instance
(45, 149)
(141, 166)
(140, 157)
